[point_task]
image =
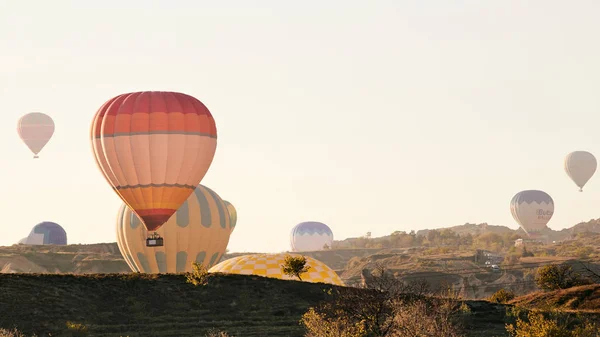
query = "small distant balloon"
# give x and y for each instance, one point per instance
(35, 129)
(310, 236)
(46, 233)
(580, 166)
(532, 209)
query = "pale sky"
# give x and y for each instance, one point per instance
(365, 115)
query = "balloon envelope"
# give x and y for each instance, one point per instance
(35, 129)
(198, 232)
(580, 166)
(232, 214)
(46, 233)
(310, 236)
(154, 148)
(532, 209)
(269, 265)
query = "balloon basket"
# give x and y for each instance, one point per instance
(154, 240)
(35, 157)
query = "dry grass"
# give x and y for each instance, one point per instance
(583, 298)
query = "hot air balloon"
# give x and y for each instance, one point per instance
(46, 233)
(580, 166)
(153, 148)
(232, 214)
(310, 236)
(35, 129)
(198, 232)
(533, 210)
(269, 265)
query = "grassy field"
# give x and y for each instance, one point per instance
(165, 305)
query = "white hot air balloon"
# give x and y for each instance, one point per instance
(35, 129)
(533, 210)
(580, 166)
(310, 236)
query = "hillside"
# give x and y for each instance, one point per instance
(583, 298)
(463, 270)
(106, 258)
(476, 229)
(443, 258)
(165, 305)
(77, 259)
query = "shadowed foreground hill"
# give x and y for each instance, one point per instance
(165, 305)
(152, 305)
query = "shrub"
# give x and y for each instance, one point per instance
(383, 309)
(76, 329)
(217, 333)
(553, 277)
(502, 296)
(11, 333)
(536, 324)
(198, 276)
(318, 325)
(526, 253)
(511, 259)
(437, 318)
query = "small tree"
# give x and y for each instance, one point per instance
(295, 266)
(553, 277)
